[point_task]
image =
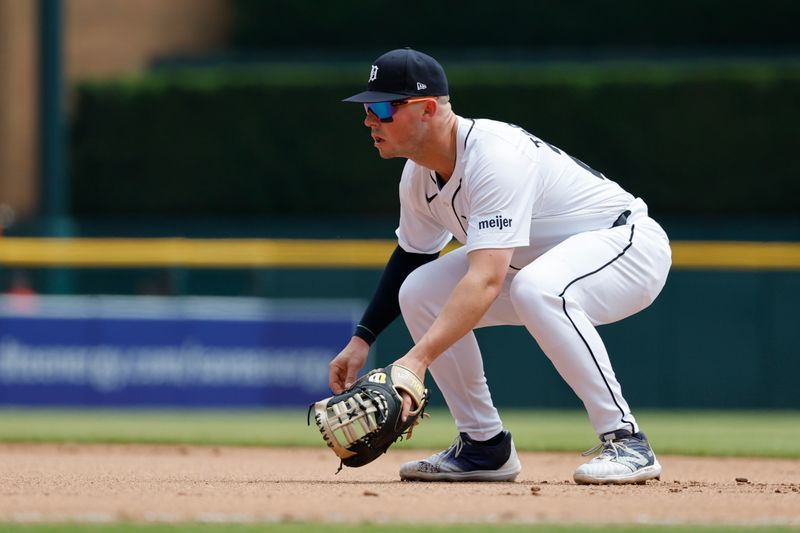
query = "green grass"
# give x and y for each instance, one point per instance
(710, 433)
(370, 528)
(717, 433)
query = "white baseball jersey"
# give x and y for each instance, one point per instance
(509, 189)
(573, 268)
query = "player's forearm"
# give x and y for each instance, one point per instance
(467, 304)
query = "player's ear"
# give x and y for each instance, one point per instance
(431, 107)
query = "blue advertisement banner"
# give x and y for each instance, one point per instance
(159, 351)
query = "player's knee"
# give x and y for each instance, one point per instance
(531, 289)
(412, 292)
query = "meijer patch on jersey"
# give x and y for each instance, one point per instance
(496, 222)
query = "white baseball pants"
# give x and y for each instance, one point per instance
(589, 279)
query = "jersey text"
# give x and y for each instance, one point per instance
(496, 222)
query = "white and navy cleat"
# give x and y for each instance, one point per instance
(467, 460)
(626, 458)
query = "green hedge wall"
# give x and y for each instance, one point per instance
(275, 141)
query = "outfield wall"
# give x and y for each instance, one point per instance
(721, 335)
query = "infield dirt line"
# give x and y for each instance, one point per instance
(144, 483)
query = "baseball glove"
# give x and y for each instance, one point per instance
(362, 422)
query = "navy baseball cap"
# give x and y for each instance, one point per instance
(401, 74)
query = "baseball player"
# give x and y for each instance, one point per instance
(549, 243)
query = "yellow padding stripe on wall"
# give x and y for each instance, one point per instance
(208, 253)
(261, 253)
(736, 255)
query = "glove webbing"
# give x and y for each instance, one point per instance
(356, 416)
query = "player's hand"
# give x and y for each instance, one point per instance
(417, 368)
(345, 366)
(407, 406)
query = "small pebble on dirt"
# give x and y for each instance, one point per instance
(370, 493)
(536, 491)
(742, 480)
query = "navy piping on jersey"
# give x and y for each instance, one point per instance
(429, 200)
(470, 131)
(460, 181)
(453, 205)
(591, 353)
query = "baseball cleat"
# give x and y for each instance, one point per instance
(626, 458)
(467, 460)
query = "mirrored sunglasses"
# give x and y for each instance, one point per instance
(386, 110)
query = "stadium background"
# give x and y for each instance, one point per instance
(220, 121)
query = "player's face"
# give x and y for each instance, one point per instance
(395, 130)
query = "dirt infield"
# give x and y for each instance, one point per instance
(45, 483)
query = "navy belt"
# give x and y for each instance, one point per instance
(622, 219)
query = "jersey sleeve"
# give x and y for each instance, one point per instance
(501, 196)
(418, 231)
